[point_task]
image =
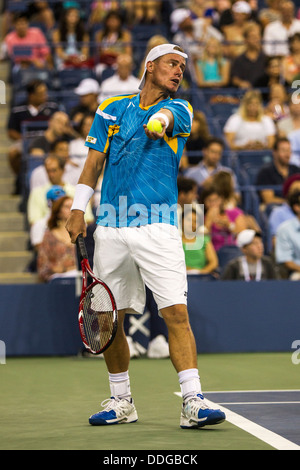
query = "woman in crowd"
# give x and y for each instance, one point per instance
(56, 254)
(200, 255)
(249, 128)
(70, 40)
(291, 63)
(114, 39)
(212, 69)
(277, 106)
(222, 223)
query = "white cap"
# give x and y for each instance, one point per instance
(157, 52)
(87, 86)
(245, 237)
(241, 7)
(177, 17)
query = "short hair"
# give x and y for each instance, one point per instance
(33, 85)
(185, 185)
(58, 141)
(20, 15)
(214, 140)
(278, 141)
(60, 161)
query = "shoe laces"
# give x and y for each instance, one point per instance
(197, 402)
(115, 404)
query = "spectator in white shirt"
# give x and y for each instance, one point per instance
(249, 128)
(73, 166)
(276, 34)
(122, 82)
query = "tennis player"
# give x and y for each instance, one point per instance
(136, 240)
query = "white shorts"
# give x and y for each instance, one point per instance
(129, 258)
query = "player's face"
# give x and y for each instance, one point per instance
(168, 72)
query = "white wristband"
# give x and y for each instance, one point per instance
(162, 116)
(83, 194)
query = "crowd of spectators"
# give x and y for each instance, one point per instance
(241, 163)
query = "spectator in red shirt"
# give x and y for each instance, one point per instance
(27, 45)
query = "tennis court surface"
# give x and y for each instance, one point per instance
(46, 402)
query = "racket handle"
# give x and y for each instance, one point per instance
(81, 246)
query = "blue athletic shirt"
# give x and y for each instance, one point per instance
(140, 178)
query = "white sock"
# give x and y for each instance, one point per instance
(120, 385)
(189, 381)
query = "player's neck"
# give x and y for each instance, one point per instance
(150, 96)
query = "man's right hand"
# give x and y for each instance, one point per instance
(76, 224)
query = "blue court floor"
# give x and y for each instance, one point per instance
(273, 416)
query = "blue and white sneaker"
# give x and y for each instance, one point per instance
(116, 411)
(196, 413)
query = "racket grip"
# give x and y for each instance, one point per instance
(81, 246)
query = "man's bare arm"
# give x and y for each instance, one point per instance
(89, 177)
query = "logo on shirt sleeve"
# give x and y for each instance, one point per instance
(91, 140)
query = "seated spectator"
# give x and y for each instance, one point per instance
(276, 34)
(277, 106)
(73, 166)
(200, 254)
(270, 13)
(88, 91)
(226, 15)
(283, 212)
(26, 46)
(287, 247)
(291, 122)
(99, 10)
(37, 109)
(191, 34)
(58, 126)
(122, 82)
(187, 196)
(70, 40)
(276, 173)
(56, 254)
(224, 181)
(249, 67)
(114, 39)
(37, 206)
(252, 265)
(249, 128)
(145, 11)
(222, 224)
(187, 191)
(291, 62)
(234, 32)
(39, 12)
(272, 73)
(212, 69)
(211, 163)
(77, 146)
(294, 138)
(37, 230)
(196, 142)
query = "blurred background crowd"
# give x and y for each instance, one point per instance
(241, 161)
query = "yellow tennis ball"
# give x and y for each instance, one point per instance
(155, 126)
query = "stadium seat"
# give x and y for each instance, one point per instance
(226, 254)
(71, 77)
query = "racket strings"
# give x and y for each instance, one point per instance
(98, 317)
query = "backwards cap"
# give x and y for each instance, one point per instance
(157, 52)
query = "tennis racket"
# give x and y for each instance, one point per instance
(98, 316)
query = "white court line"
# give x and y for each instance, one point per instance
(261, 403)
(269, 437)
